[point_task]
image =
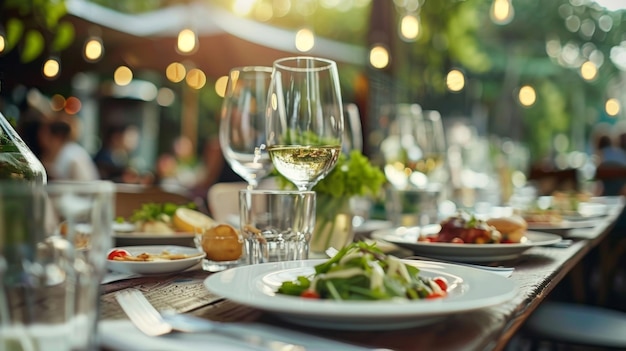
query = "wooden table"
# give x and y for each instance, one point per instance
(536, 273)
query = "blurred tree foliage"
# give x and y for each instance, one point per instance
(498, 59)
(35, 25)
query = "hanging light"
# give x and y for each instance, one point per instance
(305, 40)
(502, 12)
(187, 41)
(379, 56)
(51, 68)
(93, 49)
(410, 27)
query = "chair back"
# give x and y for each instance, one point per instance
(130, 197)
(223, 198)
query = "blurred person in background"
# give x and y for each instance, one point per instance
(113, 158)
(61, 155)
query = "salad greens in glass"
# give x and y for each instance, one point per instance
(361, 271)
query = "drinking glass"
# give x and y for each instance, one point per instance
(304, 119)
(242, 128)
(276, 225)
(415, 150)
(54, 241)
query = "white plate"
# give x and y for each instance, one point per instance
(156, 267)
(407, 238)
(564, 225)
(371, 225)
(255, 286)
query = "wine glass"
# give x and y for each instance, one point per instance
(353, 133)
(415, 149)
(429, 137)
(242, 128)
(304, 119)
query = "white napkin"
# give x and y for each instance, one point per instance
(122, 335)
(111, 276)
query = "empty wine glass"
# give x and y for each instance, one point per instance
(353, 133)
(242, 127)
(304, 119)
(415, 150)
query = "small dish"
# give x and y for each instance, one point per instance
(156, 267)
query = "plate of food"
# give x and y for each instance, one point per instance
(563, 211)
(160, 224)
(464, 238)
(155, 259)
(346, 293)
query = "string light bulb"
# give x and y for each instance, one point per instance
(51, 68)
(410, 27)
(502, 12)
(93, 49)
(187, 41)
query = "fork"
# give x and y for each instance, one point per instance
(258, 336)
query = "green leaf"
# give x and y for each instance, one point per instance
(15, 30)
(33, 45)
(64, 36)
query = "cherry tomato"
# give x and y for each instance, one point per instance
(117, 253)
(442, 282)
(435, 295)
(310, 294)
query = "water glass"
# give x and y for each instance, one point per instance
(276, 225)
(414, 206)
(54, 240)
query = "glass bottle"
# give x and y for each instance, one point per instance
(17, 161)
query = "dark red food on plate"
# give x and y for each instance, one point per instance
(463, 228)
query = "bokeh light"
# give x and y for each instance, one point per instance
(588, 70)
(57, 102)
(195, 79)
(409, 27)
(72, 105)
(123, 76)
(612, 107)
(93, 49)
(220, 86)
(527, 96)
(51, 68)
(379, 57)
(2, 43)
(175, 72)
(502, 12)
(187, 41)
(305, 40)
(165, 97)
(455, 80)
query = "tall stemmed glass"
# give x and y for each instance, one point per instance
(242, 127)
(304, 119)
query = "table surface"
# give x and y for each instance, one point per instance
(536, 273)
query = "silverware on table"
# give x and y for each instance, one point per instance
(259, 337)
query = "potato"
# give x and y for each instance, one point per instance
(222, 243)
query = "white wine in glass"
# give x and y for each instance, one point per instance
(304, 119)
(242, 126)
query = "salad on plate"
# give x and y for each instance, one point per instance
(361, 271)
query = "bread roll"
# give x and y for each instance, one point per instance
(512, 228)
(222, 243)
